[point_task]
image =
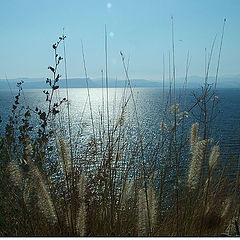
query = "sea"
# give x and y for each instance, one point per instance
(145, 114)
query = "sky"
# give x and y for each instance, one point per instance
(141, 29)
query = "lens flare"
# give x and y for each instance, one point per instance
(111, 34)
(109, 5)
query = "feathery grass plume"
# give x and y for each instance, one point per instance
(152, 207)
(44, 202)
(195, 165)
(63, 153)
(27, 191)
(81, 215)
(194, 136)
(15, 173)
(206, 184)
(142, 214)
(214, 157)
(130, 189)
(81, 220)
(226, 207)
(123, 199)
(82, 186)
(127, 193)
(28, 152)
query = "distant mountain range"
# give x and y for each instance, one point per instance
(230, 81)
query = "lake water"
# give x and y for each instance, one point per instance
(149, 105)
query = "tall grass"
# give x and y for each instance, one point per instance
(55, 184)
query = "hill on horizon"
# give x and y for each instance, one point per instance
(227, 81)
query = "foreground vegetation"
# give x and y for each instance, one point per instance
(53, 183)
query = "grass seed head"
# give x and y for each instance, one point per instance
(81, 220)
(196, 163)
(194, 136)
(226, 207)
(63, 153)
(214, 157)
(28, 152)
(15, 173)
(152, 207)
(45, 202)
(142, 214)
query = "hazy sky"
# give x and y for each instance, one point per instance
(140, 28)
